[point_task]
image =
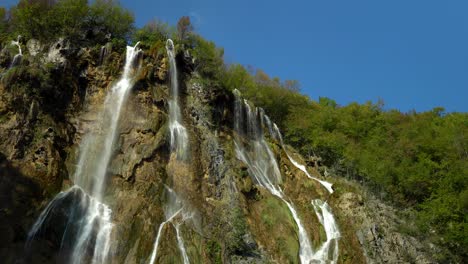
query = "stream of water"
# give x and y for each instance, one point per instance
(89, 225)
(179, 145)
(253, 150)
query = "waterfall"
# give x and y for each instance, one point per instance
(253, 150)
(179, 137)
(180, 244)
(174, 209)
(277, 135)
(89, 224)
(325, 216)
(264, 169)
(179, 145)
(17, 58)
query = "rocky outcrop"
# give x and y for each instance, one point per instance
(376, 227)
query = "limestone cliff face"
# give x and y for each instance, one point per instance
(232, 220)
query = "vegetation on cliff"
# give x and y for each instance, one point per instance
(415, 160)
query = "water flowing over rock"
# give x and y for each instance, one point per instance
(275, 132)
(179, 137)
(262, 164)
(179, 146)
(18, 57)
(328, 251)
(87, 233)
(174, 212)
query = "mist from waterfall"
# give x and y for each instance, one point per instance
(87, 232)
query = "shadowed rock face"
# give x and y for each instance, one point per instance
(232, 220)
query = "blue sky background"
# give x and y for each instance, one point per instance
(411, 53)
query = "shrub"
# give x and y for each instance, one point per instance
(74, 19)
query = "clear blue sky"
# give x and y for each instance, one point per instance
(411, 53)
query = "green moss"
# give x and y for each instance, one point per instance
(214, 251)
(234, 238)
(282, 243)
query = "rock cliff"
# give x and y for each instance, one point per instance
(50, 100)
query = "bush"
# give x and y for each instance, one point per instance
(108, 18)
(74, 19)
(152, 32)
(209, 58)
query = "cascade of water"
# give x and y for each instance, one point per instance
(158, 236)
(325, 216)
(179, 146)
(322, 209)
(90, 216)
(17, 58)
(174, 208)
(261, 163)
(179, 137)
(180, 244)
(277, 136)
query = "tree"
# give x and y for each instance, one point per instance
(292, 85)
(153, 31)
(184, 27)
(110, 19)
(3, 24)
(31, 19)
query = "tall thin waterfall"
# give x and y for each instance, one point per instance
(179, 145)
(87, 234)
(179, 137)
(17, 58)
(252, 149)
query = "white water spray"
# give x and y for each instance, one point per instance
(158, 236)
(174, 209)
(179, 137)
(277, 135)
(179, 146)
(328, 251)
(93, 223)
(17, 58)
(180, 244)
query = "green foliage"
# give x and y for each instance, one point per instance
(263, 91)
(3, 25)
(214, 252)
(234, 241)
(109, 18)
(209, 58)
(152, 32)
(417, 160)
(184, 27)
(74, 19)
